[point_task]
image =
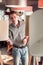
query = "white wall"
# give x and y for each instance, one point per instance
(4, 27)
(36, 26)
(36, 31)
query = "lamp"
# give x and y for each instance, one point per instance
(0, 1)
(40, 4)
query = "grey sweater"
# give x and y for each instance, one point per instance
(17, 34)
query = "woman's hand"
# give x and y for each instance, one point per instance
(25, 40)
(9, 41)
(10, 45)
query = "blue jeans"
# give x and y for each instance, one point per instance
(20, 53)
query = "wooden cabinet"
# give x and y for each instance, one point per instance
(2, 5)
(3, 2)
(12, 2)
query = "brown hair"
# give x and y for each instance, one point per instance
(12, 12)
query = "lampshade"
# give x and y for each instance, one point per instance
(18, 7)
(0, 1)
(40, 3)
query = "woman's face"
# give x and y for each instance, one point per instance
(14, 17)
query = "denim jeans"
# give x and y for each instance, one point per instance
(20, 54)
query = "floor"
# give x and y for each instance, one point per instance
(3, 51)
(40, 63)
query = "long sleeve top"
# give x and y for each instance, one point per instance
(17, 34)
